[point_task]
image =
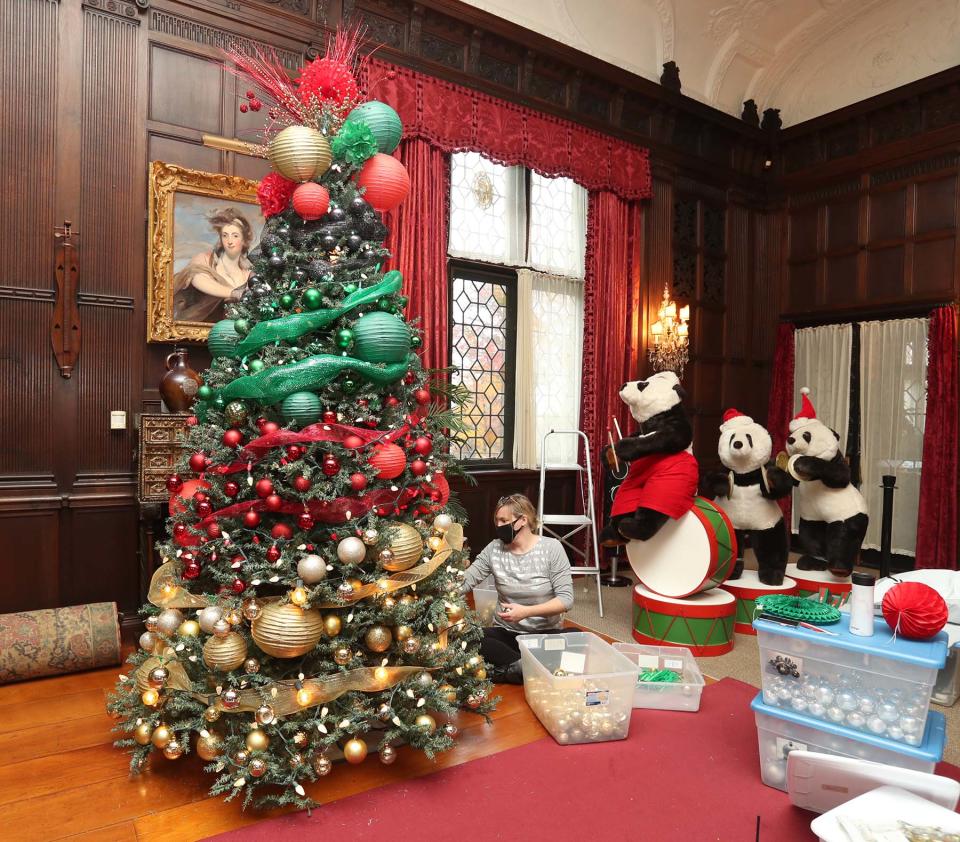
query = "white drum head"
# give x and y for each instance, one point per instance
(676, 561)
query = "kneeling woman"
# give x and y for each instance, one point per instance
(534, 586)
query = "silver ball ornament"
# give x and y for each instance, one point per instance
(221, 628)
(322, 765)
(265, 715)
(149, 641)
(208, 616)
(442, 522)
(168, 621)
(370, 537)
(158, 677)
(312, 569)
(388, 754)
(451, 730)
(251, 666)
(351, 551)
(229, 699)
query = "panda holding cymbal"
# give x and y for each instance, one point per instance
(748, 490)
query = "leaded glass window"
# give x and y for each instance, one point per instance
(557, 225)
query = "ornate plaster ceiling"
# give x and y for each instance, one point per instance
(805, 57)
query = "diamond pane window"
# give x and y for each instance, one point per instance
(482, 316)
(487, 216)
(558, 208)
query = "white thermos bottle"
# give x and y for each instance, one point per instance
(861, 605)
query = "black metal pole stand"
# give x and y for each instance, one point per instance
(613, 579)
(886, 524)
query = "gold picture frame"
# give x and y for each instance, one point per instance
(203, 199)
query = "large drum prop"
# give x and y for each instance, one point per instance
(809, 582)
(695, 552)
(746, 589)
(702, 622)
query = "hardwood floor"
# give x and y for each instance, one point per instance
(60, 777)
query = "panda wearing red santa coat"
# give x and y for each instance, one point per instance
(832, 512)
(663, 475)
(748, 490)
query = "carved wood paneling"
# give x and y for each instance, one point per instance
(31, 575)
(99, 556)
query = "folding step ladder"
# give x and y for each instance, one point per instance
(566, 526)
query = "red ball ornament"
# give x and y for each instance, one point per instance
(330, 465)
(441, 486)
(231, 489)
(232, 438)
(203, 509)
(301, 484)
(213, 530)
(329, 417)
(353, 442)
(409, 378)
(914, 610)
(264, 487)
(273, 502)
(273, 553)
(174, 483)
(260, 422)
(422, 396)
(191, 570)
(192, 421)
(294, 452)
(392, 400)
(198, 463)
(236, 561)
(179, 530)
(389, 460)
(385, 181)
(251, 519)
(423, 445)
(305, 521)
(238, 586)
(418, 467)
(358, 482)
(269, 428)
(199, 496)
(311, 200)
(282, 530)
(383, 511)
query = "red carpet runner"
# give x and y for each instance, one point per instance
(678, 776)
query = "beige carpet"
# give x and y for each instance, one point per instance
(742, 663)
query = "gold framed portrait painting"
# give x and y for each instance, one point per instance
(202, 229)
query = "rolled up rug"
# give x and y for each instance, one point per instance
(54, 641)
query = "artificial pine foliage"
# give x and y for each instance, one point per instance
(293, 621)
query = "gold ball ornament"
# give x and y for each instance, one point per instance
(408, 599)
(300, 153)
(322, 765)
(455, 612)
(224, 653)
(406, 544)
(474, 662)
(257, 740)
(212, 713)
(388, 754)
(173, 750)
(234, 618)
(345, 591)
(251, 666)
(386, 557)
(299, 596)
(378, 638)
(209, 746)
(411, 645)
(189, 628)
(251, 609)
(403, 632)
(370, 537)
(295, 761)
(158, 677)
(143, 732)
(342, 655)
(389, 603)
(241, 757)
(332, 625)
(209, 615)
(150, 697)
(449, 692)
(230, 699)
(425, 722)
(149, 641)
(300, 739)
(265, 715)
(286, 631)
(257, 767)
(385, 713)
(161, 736)
(355, 751)
(481, 674)
(221, 628)
(434, 542)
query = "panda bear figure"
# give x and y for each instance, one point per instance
(662, 478)
(832, 512)
(748, 490)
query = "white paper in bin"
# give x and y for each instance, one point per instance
(681, 695)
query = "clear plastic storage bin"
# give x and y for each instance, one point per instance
(877, 685)
(681, 695)
(946, 691)
(578, 685)
(485, 601)
(781, 731)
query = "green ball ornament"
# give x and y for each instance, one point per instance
(381, 338)
(348, 288)
(301, 407)
(235, 412)
(415, 341)
(349, 387)
(384, 123)
(402, 301)
(204, 393)
(241, 326)
(344, 338)
(312, 299)
(256, 366)
(386, 305)
(223, 338)
(219, 402)
(286, 301)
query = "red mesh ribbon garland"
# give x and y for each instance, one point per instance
(914, 610)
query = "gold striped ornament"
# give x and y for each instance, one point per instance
(225, 653)
(300, 153)
(406, 544)
(287, 631)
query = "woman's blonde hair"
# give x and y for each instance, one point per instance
(521, 507)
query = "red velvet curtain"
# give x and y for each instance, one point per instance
(937, 516)
(780, 408)
(418, 240)
(612, 308)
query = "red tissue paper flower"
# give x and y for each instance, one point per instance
(274, 193)
(328, 80)
(914, 610)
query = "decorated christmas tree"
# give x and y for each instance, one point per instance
(308, 605)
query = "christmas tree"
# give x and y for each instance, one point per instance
(308, 605)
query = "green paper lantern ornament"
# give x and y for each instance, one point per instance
(223, 338)
(302, 408)
(312, 299)
(381, 338)
(384, 123)
(235, 412)
(798, 608)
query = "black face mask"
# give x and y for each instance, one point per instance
(506, 532)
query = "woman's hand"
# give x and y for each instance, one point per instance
(512, 612)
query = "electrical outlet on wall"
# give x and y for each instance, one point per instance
(118, 419)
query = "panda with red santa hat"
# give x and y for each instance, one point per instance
(832, 512)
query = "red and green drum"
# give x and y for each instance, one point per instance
(702, 622)
(810, 581)
(695, 552)
(746, 589)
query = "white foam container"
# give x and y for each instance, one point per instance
(781, 731)
(593, 701)
(881, 810)
(682, 695)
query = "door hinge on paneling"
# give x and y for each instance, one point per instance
(65, 328)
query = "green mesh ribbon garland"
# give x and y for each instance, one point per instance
(298, 324)
(798, 608)
(663, 676)
(309, 375)
(355, 143)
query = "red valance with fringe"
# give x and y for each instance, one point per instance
(456, 119)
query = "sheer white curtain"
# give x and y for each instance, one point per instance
(548, 375)
(558, 225)
(893, 377)
(822, 358)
